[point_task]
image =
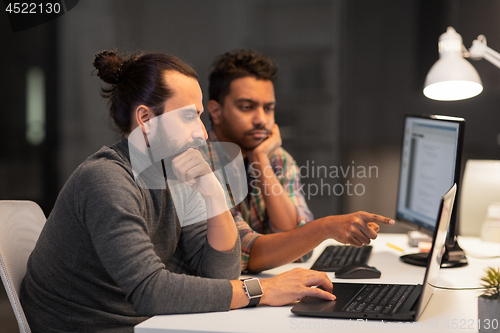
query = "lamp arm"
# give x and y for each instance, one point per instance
(480, 50)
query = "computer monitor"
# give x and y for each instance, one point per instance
(430, 164)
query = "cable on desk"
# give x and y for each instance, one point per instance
(477, 256)
(458, 288)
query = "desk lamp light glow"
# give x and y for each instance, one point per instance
(452, 77)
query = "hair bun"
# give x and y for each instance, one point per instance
(109, 66)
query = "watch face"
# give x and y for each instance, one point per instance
(253, 287)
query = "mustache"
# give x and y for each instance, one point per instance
(167, 160)
(194, 144)
(261, 128)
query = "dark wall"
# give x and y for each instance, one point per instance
(27, 171)
(389, 46)
(387, 58)
(349, 71)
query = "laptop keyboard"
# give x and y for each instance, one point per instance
(335, 257)
(380, 298)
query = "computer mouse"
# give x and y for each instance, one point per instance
(358, 272)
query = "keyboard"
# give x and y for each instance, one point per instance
(380, 298)
(334, 257)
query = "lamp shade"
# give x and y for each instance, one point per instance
(452, 77)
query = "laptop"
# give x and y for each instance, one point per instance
(386, 301)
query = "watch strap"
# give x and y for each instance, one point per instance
(254, 301)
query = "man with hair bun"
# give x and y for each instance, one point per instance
(100, 263)
(276, 227)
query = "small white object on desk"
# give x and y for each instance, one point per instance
(415, 237)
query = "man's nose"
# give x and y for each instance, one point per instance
(259, 117)
(201, 132)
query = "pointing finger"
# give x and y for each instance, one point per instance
(376, 218)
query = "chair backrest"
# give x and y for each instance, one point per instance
(20, 225)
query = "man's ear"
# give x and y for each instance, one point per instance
(142, 116)
(215, 110)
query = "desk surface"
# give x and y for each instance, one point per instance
(447, 311)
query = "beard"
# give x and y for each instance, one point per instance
(244, 140)
(167, 160)
(249, 142)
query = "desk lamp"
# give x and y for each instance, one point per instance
(452, 77)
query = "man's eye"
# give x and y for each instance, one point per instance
(189, 118)
(245, 107)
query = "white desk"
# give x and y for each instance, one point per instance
(447, 311)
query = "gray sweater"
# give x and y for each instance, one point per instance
(100, 262)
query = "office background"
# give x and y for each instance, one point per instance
(349, 70)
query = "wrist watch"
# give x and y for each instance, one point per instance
(253, 290)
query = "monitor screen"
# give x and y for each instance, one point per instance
(430, 165)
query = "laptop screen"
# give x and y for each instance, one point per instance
(429, 159)
(437, 250)
(353, 297)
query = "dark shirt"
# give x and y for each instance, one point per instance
(99, 264)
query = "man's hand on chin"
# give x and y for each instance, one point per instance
(266, 147)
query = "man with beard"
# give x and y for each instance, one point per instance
(241, 106)
(100, 263)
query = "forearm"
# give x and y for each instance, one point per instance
(274, 250)
(168, 293)
(279, 206)
(221, 229)
(239, 299)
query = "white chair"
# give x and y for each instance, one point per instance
(20, 225)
